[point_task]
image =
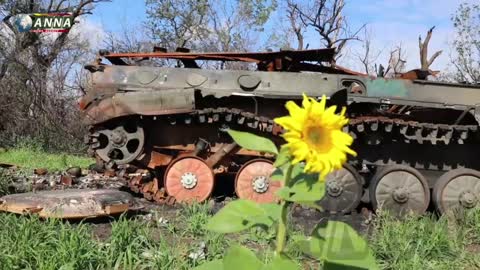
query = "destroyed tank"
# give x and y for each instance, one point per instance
(417, 140)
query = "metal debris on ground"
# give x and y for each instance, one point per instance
(70, 204)
(199, 254)
(72, 178)
(6, 165)
(74, 171)
(40, 171)
(162, 222)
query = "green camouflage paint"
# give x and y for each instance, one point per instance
(386, 88)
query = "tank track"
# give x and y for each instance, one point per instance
(392, 129)
(412, 131)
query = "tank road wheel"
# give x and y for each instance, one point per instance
(344, 190)
(457, 190)
(189, 179)
(253, 182)
(400, 190)
(120, 145)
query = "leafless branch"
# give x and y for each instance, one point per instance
(330, 23)
(368, 55)
(297, 28)
(423, 50)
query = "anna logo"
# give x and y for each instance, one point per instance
(44, 22)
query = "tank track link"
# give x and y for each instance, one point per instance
(412, 131)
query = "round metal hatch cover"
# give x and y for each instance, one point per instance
(70, 203)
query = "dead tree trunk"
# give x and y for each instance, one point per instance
(424, 71)
(423, 46)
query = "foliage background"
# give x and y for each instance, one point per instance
(41, 75)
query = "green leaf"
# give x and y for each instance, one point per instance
(278, 174)
(240, 215)
(281, 263)
(253, 142)
(303, 188)
(283, 157)
(211, 265)
(297, 172)
(338, 244)
(241, 258)
(272, 210)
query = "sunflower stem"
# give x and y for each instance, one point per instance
(282, 224)
(282, 229)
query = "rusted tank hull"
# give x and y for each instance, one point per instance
(182, 112)
(125, 90)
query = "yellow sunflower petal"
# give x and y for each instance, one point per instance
(294, 109)
(306, 103)
(288, 123)
(319, 107)
(292, 136)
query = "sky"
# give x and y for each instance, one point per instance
(391, 22)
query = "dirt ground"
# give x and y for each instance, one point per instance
(304, 219)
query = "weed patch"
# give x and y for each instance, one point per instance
(31, 158)
(5, 182)
(423, 242)
(196, 216)
(31, 243)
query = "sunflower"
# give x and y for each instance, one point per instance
(314, 135)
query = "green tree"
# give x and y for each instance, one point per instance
(177, 23)
(207, 25)
(38, 73)
(466, 44)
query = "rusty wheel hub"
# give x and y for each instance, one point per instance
(253, 182)
(189, 180)
(260, 184)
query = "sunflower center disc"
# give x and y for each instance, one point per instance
(260, 184)
(468, 199)
(189, 180)
(400, 195)
(334, 189)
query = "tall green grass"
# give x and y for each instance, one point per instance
(426, 242)
(31, 158)
(30, 243)
(412, 243)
